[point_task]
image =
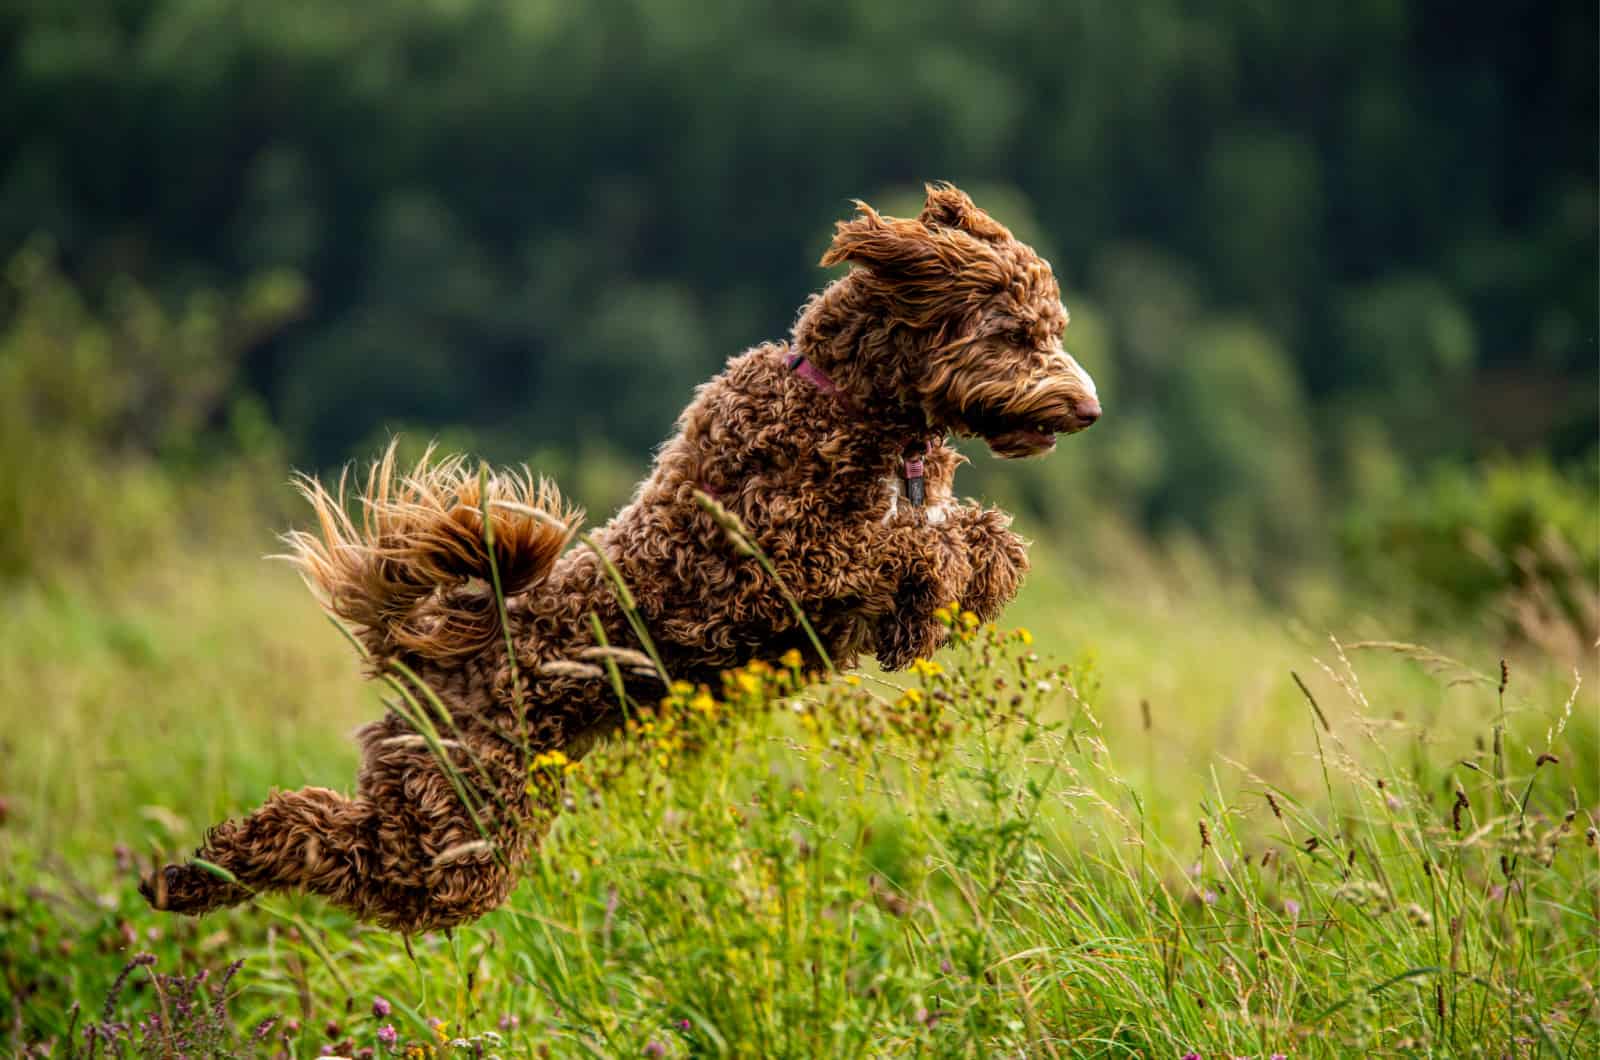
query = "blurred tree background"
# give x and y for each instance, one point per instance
(1334, 265)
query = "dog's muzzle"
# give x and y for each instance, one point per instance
(1063, 402)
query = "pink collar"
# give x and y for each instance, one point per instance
(806, 369)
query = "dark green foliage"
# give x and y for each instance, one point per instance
(100, 403)
(1518, 540)
(1291, 238)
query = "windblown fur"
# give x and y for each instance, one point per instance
(414, 576)
(946, 324)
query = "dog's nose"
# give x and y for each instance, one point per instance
(1087, 411)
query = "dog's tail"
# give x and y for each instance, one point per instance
(415, 575)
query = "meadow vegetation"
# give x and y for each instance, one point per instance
(1150, 817)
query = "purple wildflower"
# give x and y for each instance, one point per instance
(387, 1034)
(684, 1026)
(1291, 907)
(509, 1022)
(654, 1048)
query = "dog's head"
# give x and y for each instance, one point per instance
(972, 324)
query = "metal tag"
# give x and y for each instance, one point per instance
(915, 489)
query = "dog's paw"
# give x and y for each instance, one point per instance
(191, 889)
(999, 560)
(909, 634)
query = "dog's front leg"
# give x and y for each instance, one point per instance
(998, 557)
(926, 567)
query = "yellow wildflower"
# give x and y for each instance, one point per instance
(1023, 635)
(852, 680)
(703, 702)
(549, 759)
(748, 682)
(791, 658)
(926, 667)
(969, 619)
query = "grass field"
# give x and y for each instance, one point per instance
(1127, 831)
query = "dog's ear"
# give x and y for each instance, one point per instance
(892, 248)
(924, 269)
(948, 206)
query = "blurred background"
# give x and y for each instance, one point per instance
(1334, 266)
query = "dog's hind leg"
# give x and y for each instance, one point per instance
(312, 839)
(406, 852)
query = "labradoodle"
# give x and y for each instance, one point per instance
(829, 448)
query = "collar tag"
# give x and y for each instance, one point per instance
(915, 491)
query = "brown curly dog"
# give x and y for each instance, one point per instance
(830, 449)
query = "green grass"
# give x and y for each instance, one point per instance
(1157, 849)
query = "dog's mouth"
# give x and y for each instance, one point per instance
(1014, 437)
(1020, 443)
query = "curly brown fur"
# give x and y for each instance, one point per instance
(946, 324)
